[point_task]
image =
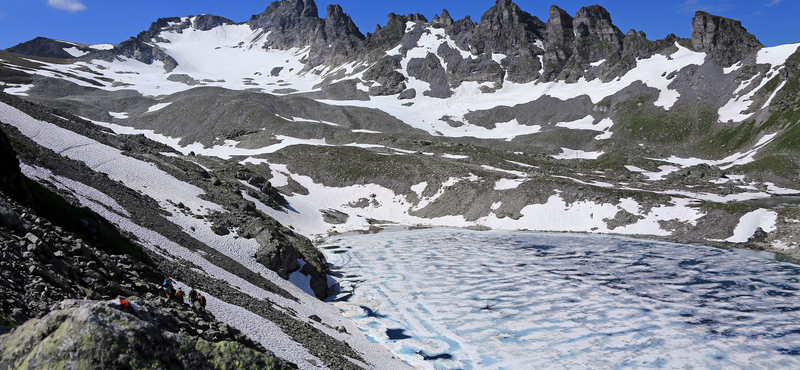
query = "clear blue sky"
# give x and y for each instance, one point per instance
(774, 22)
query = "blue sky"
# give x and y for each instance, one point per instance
(774, 22)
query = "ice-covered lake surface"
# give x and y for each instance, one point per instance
(461, 299)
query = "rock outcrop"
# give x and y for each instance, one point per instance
(45, 47)
(724, 39)
(296, 24)
(93, 334)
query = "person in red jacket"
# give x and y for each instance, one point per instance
(179, 295)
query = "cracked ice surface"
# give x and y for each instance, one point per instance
(453, 298)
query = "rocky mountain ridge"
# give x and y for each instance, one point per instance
(567, 45)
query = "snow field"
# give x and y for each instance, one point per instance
(426, 111)
(775, 57)
(763, 218)
(555, 215)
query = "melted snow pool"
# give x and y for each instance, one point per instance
(461, 299)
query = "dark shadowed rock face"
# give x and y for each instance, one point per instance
(724, 39)
(11, 182)
(43, 47)
(430, 70)
(558, 44)
(205, 22)
(507, 29)
(596, 37)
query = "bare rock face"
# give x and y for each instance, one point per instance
(277, 256)
(43, 47)
(430, 70)
(558, 44)
(296, 23)
(506, 29)
(573, 43)
(293, 23)
(339, 25)
(724, 39)
(596, 37)
(385, 73)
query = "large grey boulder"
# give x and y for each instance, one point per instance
(96, 335)
(277, 256)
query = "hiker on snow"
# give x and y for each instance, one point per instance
(192, 296)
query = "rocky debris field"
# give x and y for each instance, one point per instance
(46, 267)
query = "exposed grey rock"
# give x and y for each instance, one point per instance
(342, 90)
(44, 47)
(278, 257)
(183, 78)
(333, 216)
(481, 69)
(205, 22)
(408, 94)
(445, 19)
(97, 335)
(429, 69)
(385, 73)
(573, 43)
(726, 41)
(296, 23)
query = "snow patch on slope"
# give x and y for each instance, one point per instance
(763, 218)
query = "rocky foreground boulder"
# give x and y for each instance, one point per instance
(98, 335)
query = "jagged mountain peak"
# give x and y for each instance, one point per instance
(506, 14)
(725, 39)
(444, 19)
(339, 24)
(47, 48)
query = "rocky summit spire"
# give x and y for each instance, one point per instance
(724, 39)
(597, 38)
(560, 36)
(339, 25)
(572, 43)
(296, 22)
(445, 18)
(506, 15)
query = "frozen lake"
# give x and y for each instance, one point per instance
(461, 299)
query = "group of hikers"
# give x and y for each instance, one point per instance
(195, 298)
